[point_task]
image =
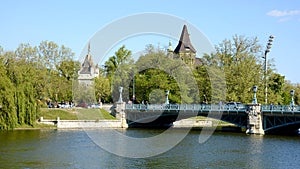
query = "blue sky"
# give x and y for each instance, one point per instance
(73, 24)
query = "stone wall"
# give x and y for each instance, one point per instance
(76, 124)
(192, 123)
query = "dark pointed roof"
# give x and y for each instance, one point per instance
(184, 42)
(87, 63)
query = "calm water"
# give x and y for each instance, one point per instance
(74, 149)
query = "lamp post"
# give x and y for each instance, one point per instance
(133, 90)
(254, 95)
(167, 97)
(205, 99)
(292, 92)
(269, 45)
(133, 84)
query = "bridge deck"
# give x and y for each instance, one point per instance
(266, 109)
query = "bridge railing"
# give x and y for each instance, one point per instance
(182, 107)
(280, 108)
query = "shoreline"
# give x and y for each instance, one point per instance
(193, 124)
(219, 128)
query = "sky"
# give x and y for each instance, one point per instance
(75, 23)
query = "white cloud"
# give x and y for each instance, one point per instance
(285, 19)
(278, 13)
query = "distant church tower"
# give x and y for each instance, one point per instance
(185, 49)
(88, 70)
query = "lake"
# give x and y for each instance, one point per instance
(76, 149)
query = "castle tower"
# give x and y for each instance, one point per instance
(88, 70)
(185, 49)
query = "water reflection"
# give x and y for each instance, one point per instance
(254, 145)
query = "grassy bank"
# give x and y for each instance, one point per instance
(63, 114)
(94, 114)
(68, 114)
(218, 123)
(76, 114)
(34, 127)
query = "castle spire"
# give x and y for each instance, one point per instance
(184, 43)
(89, 48)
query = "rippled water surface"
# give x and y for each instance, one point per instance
(75, 149)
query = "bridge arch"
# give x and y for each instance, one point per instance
(284, 128)
(142, 114)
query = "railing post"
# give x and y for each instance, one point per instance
(120, 114)
(120, 110)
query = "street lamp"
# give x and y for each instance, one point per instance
(167, 97)
(205, 99)
(292, 92)
(269, 45)
(133, 84)
(254, 95)
(133, 90)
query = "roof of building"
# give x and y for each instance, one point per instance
(87, 65)
(184, 43)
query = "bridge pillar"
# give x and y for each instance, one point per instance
(120, 114)
(255, 120)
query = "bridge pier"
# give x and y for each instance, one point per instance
(255, 120)
(120, 114)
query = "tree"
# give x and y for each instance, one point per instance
(68, 69)
(122, 56)
(53, 58)
(26, 52)
(8, 118)
(297, 94)
(1, 50)
(238, 59)
(102, 88)
(275, 88)
(285, 95)
(158, 73)
(30, 74)
(67, 72)
(23, 77)
(118, 69)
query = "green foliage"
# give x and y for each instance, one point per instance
(297, 94)
(8, 118)
(275, 88)
(118, 70)
(121, 57)
(158, 73)
(83, 94)
(29, 75)
(102, 88)
(237, 59)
